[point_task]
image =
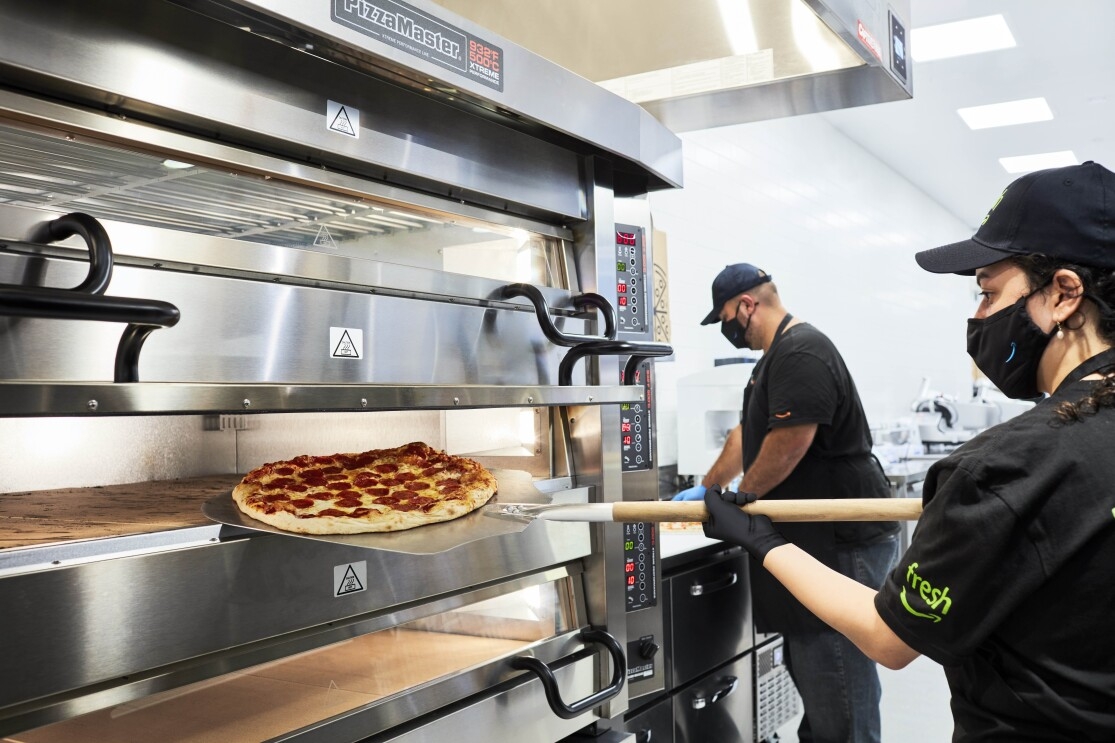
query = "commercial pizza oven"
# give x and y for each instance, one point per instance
(235, 232)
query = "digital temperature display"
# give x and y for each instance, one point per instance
(625, 238)
(621, 266)
(621, 288)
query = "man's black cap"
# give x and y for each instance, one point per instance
(1066, 213)
(733, 281)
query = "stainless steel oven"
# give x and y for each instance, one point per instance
(232, 232)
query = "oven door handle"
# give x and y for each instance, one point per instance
(704, 589)
(549, 681)
(542, 312)
(96, 239)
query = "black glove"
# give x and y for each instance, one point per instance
(728, 523)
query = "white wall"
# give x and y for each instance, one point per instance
(837, 230)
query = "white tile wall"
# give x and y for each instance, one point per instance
(837, 229)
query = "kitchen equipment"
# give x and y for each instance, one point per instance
(330, 223)
(830, 509)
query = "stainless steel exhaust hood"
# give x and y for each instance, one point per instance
(706, 63)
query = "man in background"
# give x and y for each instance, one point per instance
(803, 434)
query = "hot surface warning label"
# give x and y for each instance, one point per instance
(422, 35)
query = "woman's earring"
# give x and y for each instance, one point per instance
(1060, 333)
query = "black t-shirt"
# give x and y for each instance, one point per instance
(802, 379)
(1009, 581)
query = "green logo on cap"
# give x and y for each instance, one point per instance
(1004, 193)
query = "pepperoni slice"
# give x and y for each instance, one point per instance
(421, 500)
(347, 494)
(279, 483)
(417, 485)
(406, 477)
(364, 480)
(324, 460)
(340, 485)
(405, 507)
(385, 468)
(349, 503)
(377, 491)
(330, 512)
(312, 473)
(302, 503)
(361, 512)
(388, 500)
(274, 497)
(284, 471)
(298, 488)
(431, 471)
(332, 470)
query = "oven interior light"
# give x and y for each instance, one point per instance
(176, 165)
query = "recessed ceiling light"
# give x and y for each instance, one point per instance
(1029, 163)
(972, 36)
(1006, 114)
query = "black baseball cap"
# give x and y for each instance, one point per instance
(1064, 213)
(733, 281)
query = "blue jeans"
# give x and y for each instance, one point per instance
(839, 685)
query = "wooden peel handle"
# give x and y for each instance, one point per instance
(831, 509)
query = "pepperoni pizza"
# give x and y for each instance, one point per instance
(373, 491)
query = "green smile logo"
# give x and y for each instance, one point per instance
(933, 598)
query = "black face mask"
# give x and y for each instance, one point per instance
(1007, 347)
(736, 333)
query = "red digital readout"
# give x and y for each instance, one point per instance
(621, 288)
(625, 238)
(629, 567)
(624, 427)
(623, 301)
(627, 441)
(630, 580)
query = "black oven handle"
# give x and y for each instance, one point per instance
(704, 589)
(96, 239)
(542, 312)
(87, 300)
(639, 353)
(549, 682)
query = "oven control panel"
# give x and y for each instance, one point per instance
(640, 566)
(636, 424)
(631, 300)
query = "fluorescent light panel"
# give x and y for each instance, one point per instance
(1006, 114)
(1029, 163)
(957, 39)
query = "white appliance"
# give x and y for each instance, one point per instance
(709, 404)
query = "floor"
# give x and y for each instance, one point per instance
(915, 706)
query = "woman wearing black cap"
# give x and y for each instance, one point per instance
(1009, 581)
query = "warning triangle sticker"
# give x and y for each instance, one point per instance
(341, 123)
(324, 239)
(349, 583)
(346, 349)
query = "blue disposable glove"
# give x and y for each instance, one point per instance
(697, 492)
(729, 523)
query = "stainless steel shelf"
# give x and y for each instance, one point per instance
(24, 399)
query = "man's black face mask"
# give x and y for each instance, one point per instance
(734, 332)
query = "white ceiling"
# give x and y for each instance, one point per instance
(1065, 53)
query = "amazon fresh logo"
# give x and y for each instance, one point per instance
(932, 598)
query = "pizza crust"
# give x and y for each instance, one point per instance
(446, 487)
